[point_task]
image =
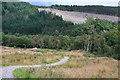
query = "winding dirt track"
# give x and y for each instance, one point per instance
(78, 17)
(7, 72)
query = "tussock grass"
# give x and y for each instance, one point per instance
(80, 65)
(27, 59)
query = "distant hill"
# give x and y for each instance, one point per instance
(79, 17)
(11, 1)
(106, 10)
(41, 3)
(25, 18)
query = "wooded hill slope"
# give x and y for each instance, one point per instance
(24, 26)
(24, 18)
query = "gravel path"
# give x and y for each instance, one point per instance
(7, 71)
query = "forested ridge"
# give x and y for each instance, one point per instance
(97, 9)
(23, 18)
(24, 26)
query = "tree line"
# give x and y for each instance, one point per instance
(102, 45)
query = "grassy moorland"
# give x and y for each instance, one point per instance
(14, 56)
(80, 65)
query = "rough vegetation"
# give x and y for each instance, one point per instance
(80, 65)
(18, 56)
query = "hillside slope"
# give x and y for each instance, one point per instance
(24, 18)
(78, 17)
(97, 9)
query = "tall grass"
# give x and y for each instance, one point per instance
(28, 59)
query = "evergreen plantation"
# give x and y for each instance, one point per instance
(23, 18)
(25, 27)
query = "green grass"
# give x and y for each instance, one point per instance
(3, 64)
(22, 73)
(25, 73)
